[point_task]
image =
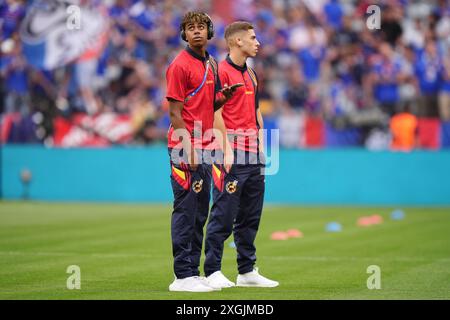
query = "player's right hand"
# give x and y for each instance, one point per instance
(228, 161)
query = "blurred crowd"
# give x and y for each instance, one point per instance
(320, 66)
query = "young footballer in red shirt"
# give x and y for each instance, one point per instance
(239, 184)
(192, 85)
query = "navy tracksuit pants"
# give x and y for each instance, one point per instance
(236, 209)
(190, 211)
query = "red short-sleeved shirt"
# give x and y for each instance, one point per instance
(184, 75)
(239, 113)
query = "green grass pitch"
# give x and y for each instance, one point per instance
(124, 252)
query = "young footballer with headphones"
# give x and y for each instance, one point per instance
(193, 90)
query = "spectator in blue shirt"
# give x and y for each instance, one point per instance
(11, 13)
(333, 13)
(144, 16)
(13, 68)
(312, 55)
(119, 15)
(386, 77)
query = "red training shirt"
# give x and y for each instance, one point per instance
(239, 113)
(184, 75)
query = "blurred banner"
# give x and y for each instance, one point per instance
(94, 131)
(57, 32)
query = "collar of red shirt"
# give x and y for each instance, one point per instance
(196, 55)
(239, 68)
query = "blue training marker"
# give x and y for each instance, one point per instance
(397, 214)
(333, 227)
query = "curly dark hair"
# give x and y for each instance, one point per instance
(194, 16)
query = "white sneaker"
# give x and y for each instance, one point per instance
(254, 279)
(218, 280)
(190, 284)
(204, 280)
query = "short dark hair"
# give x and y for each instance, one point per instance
(236, 27)
(194, 17)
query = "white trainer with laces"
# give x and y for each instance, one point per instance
(189, 284)
(254, 279)
(218, 280)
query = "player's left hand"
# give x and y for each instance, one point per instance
(228, 91)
